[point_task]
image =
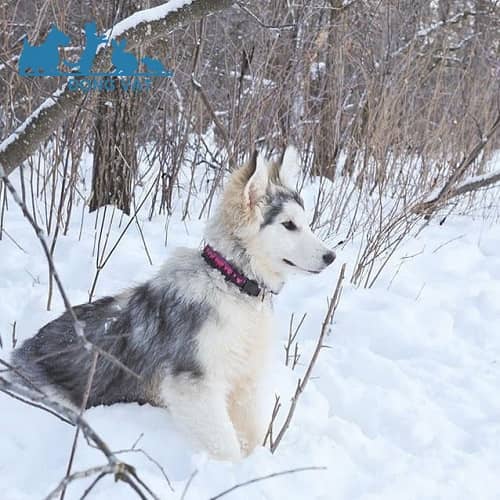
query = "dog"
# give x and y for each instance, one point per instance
(198, 333)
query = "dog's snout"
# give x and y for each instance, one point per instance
(328, 258)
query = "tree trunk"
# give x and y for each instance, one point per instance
(115, 152)
(326, 143)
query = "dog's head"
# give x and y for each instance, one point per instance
(264, 213)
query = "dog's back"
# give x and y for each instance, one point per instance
(150, 329)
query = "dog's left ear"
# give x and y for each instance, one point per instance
(289, 169)
(256, 186)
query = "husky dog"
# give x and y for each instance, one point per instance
(197, 334)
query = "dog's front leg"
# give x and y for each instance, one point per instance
(245, 413)
(200, 409)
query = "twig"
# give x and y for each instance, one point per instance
(92, 485)
(450, 189)
(35, 405)
(20, 375)
(82, 409)
(264, 478)
(261, 23)
(78, 325)
(274, 414)
(424, 33)
(14, 339)
(291, 340)
(103, 260)
(188, 484)
(199, 89)
(301, 384)
(152, 460)
(4, 231)
(101, 470)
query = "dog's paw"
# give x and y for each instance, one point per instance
(249, 445)
(229, 452)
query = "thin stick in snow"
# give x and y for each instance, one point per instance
(264, 478)
(301, 384)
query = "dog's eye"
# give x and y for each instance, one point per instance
(289, 225)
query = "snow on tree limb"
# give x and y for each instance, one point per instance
(478, 182)
(454, 186)
(139, 28)
(425, 33)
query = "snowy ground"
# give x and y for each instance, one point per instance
(404, 405)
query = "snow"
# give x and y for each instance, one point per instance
(403, 404)
(146, 16)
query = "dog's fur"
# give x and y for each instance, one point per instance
(197, 342)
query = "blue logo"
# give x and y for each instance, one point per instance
(43, 60)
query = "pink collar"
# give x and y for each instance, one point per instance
(217, 261)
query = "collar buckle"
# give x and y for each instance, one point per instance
(251, 287)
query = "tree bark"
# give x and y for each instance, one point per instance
(115, 152)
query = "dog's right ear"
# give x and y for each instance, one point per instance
(289, 169)
(257, 182)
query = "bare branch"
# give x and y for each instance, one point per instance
(425, 33)
(264, 478)
(451, 189)
(92, 485)
(188, 484)
(254, 16)
(100, 470)
(292, 335)
(82, 409)
(477, 182)
(301, 384)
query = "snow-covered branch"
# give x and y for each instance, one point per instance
(139, 29)
(454, 187)
(425, 33)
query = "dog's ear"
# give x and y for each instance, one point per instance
(256, 185)
(289, 169)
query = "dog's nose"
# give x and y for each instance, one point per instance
(328, 258)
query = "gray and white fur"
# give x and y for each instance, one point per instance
(198, 344)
